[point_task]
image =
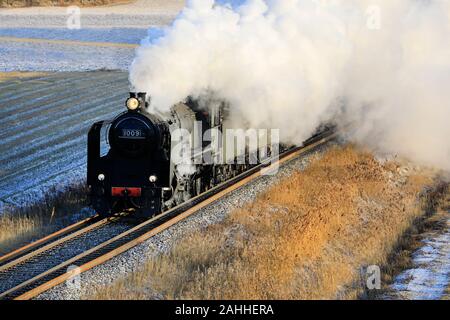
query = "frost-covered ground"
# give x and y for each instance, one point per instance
(121, 24)
(112, 35)
(140, 14)
(59, 57)
(430, 276)
(44, 132)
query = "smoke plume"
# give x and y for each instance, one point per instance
(292, 64)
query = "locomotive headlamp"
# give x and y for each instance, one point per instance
(133, 104)
(101, 177)
(153, 179)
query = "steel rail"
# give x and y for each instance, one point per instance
(144, 231)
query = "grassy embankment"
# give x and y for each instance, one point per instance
(19, 226)
(308, 237)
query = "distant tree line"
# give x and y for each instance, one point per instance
(30, 3)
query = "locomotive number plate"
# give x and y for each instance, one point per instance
(132, 134)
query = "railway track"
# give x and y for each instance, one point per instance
(38, 267)
(41, 243)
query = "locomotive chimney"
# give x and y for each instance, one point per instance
(141, 97)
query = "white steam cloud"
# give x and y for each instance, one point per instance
(292, 64)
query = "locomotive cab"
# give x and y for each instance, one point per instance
(136, 169)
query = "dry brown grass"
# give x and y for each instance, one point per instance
(306, 238)
(4, 76)
(11, 226)
(23, 225)
(446, 294)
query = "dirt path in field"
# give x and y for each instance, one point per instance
(68, 42)
(18, 76)
(52, 3)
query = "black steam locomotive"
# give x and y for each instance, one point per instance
(136, 168)
(146, 163)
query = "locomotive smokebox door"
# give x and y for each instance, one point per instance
(135, 170)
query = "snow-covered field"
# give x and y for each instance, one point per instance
(113, 35)
(44, 132)
(121, 24)
(59, 57)
(140, 14)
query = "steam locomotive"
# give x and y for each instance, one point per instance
(146, 163)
